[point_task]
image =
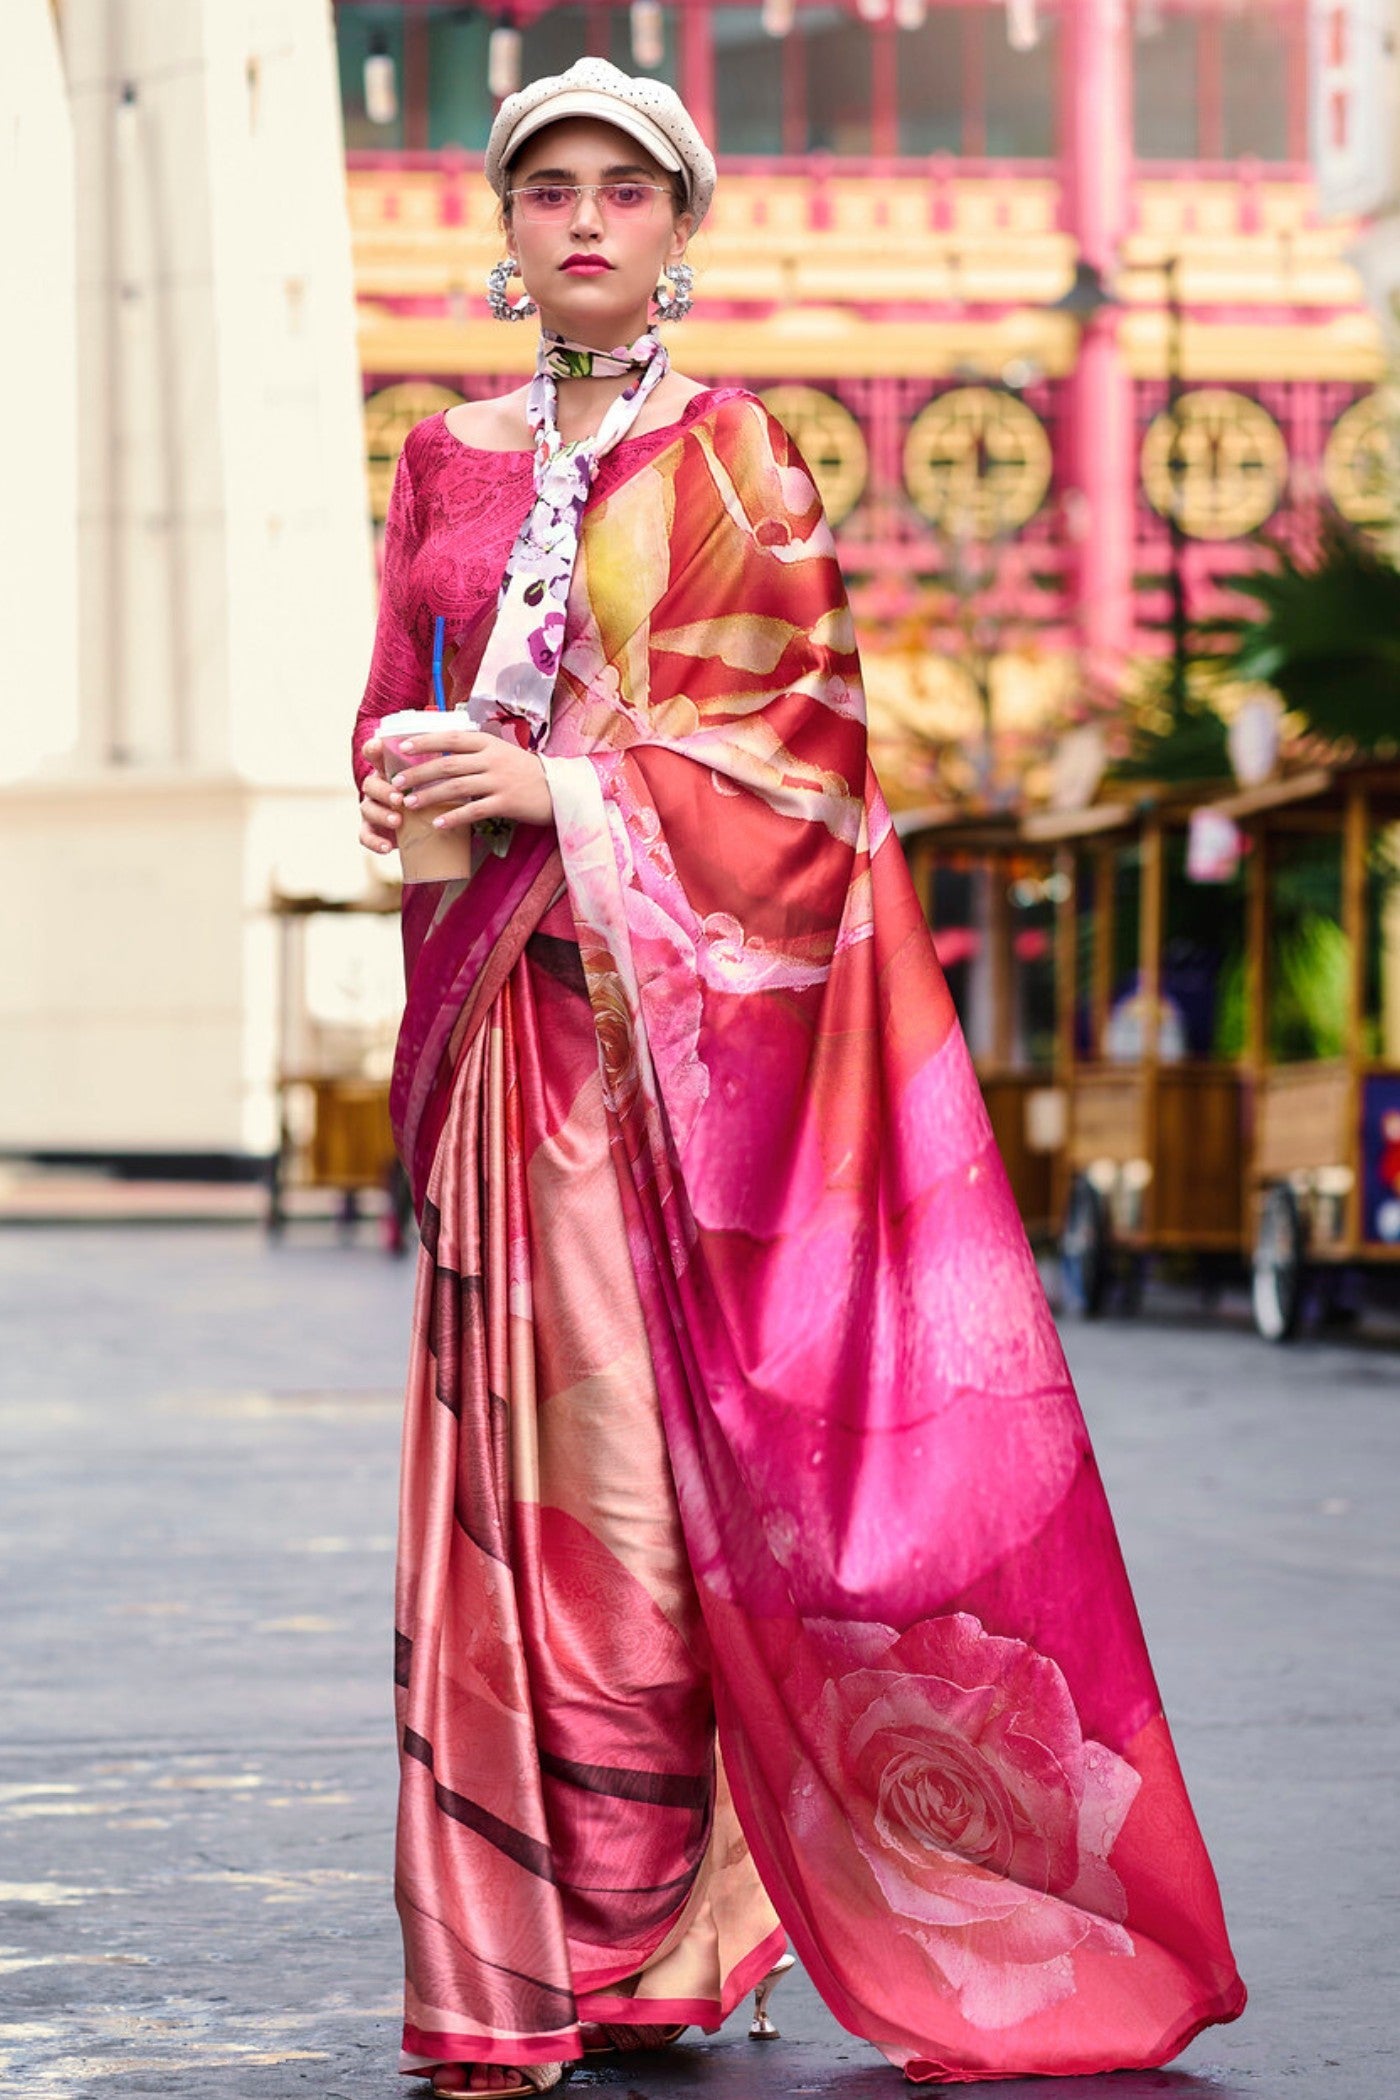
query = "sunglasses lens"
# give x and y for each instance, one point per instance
(555, 201)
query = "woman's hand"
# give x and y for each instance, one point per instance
(379, 818)
(464, 776)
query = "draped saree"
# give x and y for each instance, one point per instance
(735, 1406)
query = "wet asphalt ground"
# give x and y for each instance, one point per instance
(198, 1443)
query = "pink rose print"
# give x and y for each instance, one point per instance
(981, 1809)
(616, 1026)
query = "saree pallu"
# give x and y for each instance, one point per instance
(685, 1078)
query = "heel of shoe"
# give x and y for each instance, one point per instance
(763, 2029)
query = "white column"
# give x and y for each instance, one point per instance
(225, 585)
(286, 390)
(38, 382)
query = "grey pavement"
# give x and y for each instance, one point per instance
(198, 1444)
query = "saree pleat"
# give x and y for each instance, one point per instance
(567, 1848)
(736, 1404)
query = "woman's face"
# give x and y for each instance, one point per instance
(623, 243)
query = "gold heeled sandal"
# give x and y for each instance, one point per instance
(762, 2029)
(603, 2038)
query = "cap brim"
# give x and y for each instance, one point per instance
(587, 102)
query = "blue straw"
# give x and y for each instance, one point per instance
(439, 696)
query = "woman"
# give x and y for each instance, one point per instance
(755, 1577)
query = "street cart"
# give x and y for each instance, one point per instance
(1148, 974)
(989, 897)
(336, 1019)
(1322, 1182)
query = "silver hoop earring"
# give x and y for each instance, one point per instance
(503, 307)
(674, 302)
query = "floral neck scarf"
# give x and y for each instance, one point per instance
(515, 681)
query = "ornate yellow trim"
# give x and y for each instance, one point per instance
(977, 460)
(1359, 466)
(1221, 457)
(825, 343)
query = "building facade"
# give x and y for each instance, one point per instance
(187, 573)
(1042, 289)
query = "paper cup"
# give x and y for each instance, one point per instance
(427, 855)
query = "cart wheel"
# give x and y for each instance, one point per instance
(1278, 1265)
(1084, 1250)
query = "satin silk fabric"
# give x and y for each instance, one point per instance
(567, 1847)
(937, 1715)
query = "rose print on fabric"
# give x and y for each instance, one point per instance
(984, 1814)
(868, 1423)
(613, 1018)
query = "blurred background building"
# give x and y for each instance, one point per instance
(971, 252)
(188, 573)
(1047, 293)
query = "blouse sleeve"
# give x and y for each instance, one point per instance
(400, 665)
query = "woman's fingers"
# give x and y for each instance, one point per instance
(378, 822)
(498, 803)
(380, 815)
(451, 739)
(455, 766)
(453, 779)
(474, 812)
(445, 794)
(478, 777)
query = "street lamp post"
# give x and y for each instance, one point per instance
(1093, 309)
(969, 579)
(1176, 477)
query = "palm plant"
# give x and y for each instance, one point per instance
(1327, 637)
(1177, 734)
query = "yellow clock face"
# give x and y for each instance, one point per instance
(829, 439)
(1359, 466)
(977, 461)
(1220, 462)
(389, 416)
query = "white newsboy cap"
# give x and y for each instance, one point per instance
(647, 110)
